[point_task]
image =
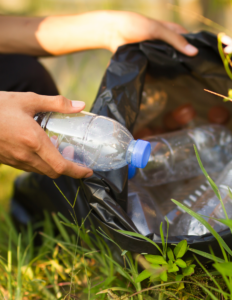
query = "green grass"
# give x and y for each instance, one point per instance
(71, 262)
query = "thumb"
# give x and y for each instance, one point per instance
(177, 41)
(38, 103)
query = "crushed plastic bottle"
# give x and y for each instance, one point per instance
(173, 157)
(93, 141)
(207, 205)
(152, 205)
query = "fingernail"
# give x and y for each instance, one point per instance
(77, 103)
(191, 49)
(88, 174)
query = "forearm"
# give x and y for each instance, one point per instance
(56, 35)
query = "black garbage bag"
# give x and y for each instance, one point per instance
(105, 193)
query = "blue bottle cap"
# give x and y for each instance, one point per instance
(141, 154)
(131, 171)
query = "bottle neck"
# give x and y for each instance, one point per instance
(130, 151)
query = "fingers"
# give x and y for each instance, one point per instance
(35, 103)
(176, 40)
(226, 40)
(49, 154)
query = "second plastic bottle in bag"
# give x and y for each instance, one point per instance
(173, 157)
(209, 206)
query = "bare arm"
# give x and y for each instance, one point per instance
(57, 35)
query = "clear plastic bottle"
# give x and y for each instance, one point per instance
(173, 157)
(148, 206)
(207, 205)
(96, 142)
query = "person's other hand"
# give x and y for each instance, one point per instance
(129, 27)
(226, 40)
(24, 144)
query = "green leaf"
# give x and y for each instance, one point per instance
(170, 254)
(124, 252)
(181, 287)
(164, 276)
(173, 268)
(155, 266)
(179, 277)
(207, 255)
(189, 260)
(211, 182)
(138, 235)
(180, 249)
(61, 228)
(224, 268)
(188, 271)
(170, 263)
(230, 93)
(142, 276)
(181, 263)
(226, 222)
(155, 259)
(162, 239)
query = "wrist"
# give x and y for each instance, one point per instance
(108, 31)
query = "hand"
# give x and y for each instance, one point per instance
(59, 35)
(129, 27)
(24, 144)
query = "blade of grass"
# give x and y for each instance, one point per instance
(166, 219)
(19, 274)
(224, 277)
(211, 277)
(9, 268)
(61, 228)
(162, 239)
(206, 290)
(221, 242)
(211, 182)
(138, 235)
(207, 255)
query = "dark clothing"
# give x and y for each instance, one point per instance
(22, 73)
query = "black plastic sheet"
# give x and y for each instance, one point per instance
(104, 195)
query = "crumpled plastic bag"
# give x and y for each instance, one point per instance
(104, 195)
